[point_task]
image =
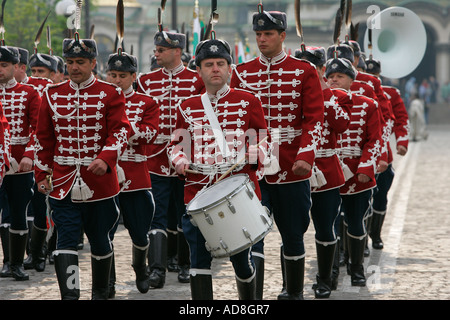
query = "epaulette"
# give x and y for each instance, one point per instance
(54, 85)
(245, 62)
(244, 90)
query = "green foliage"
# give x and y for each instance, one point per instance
(22, 20)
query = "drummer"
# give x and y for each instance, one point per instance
(221, 114)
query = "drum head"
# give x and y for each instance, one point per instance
(217, 192)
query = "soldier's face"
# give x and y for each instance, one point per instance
(270, 42)
(339, 81)
(165, 57)
(214, 72)
(41, 72)
(80, 69)
(123, 80)
(7, 71)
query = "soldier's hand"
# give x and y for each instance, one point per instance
(363, 178)
(382, 166)
(181, 166)
(401, 150)
(301, 168)
(43, 186)
(26, 164)
(98, 167)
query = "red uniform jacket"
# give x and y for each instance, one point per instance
(388, 118)
(38, 82)
(21, 106)
(361, 143)
(241, 119)
(338, 104)
(143, 114)
(292, 100)
(401, 125)
(5, 142)
(167, 88)
(77, 124)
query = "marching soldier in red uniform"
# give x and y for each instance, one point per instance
(20, 105)
(328, 175)
(291, 96)
(81, 132)
(360, 147)
(136, 199)
(236, 113)
(167, 85)
(385, 178)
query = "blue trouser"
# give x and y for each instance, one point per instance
(384, 182)
(15, 195)
(201, 258)
(325, 212)
(38, 209)
(98, 219)
(290, 204)
(137, 208)
(356, 206)
(168, 193)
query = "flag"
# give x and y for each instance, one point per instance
(241, 53)
(196, 28)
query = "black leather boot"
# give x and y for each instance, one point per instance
(172, 251)
(184, 260)
(368, 223)
(375, 230)
(37, 256)
(246, 288)
(201, 285)
(335, 269)
(325, 258)
(17, 245)
(294, 273)
(139, 265)
(112, 278)
(4, 236)
(356, 252)
(67, 273)
(157, 258)
(101, 271)
(258, 259)
(283, 274)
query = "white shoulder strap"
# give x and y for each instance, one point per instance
(218, 133)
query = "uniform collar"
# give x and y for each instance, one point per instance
(275, 60)
(83, 85)
(8, 85)
(175, 70)
(219, 94)
(129, 92)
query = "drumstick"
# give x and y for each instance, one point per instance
(237, 163)
(191, 171)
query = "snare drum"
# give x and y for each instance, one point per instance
(230, 216)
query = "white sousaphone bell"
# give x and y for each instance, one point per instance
(399, 41)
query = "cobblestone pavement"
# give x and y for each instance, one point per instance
(413, 265)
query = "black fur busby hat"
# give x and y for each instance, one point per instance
(170, 39)
(343, 51)
(79, 48)
(212, 48)
(355, 46)
(23, 55)
(269, 20)
(315, 55)
(9, 54)
(373, 66)
(122, 61)
(362, 62)
(43, 60)
(340, 65)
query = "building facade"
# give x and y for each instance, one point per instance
(235, 17)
